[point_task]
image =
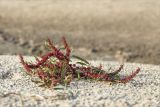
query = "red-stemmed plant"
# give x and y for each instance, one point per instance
(56, 68)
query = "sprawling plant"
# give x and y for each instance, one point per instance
(56, 68)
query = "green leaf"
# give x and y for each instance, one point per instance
(78, 74)
(58, 88)
(62, 48)
(81, 63)
(117, 77)
(71, 93)
(97, 70)
(53, 60)
(81, 59)
(42, 85)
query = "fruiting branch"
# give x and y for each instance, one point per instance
(55, 68)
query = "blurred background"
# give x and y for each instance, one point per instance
(119, 30)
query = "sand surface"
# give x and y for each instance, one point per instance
(17, 89)
(96, 29)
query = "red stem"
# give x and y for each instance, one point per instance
(128, 78)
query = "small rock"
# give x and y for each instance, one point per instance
(16, 76)
(31, 43)
(4, 75)
(94, 50)
(1, 38)
(121, 56)
(12, 40)
(32, 50)
(23, 42)
(84, 50)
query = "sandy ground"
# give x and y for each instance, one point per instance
(123, 30)
(17, 89)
